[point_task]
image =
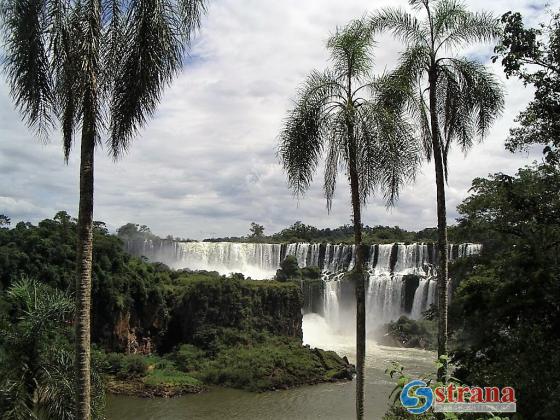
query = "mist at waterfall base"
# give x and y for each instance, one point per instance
(401, 277)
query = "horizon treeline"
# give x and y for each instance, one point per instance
(301, 232)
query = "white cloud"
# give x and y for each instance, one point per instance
(206, 163)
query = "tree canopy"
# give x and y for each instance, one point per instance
(505, 310)
(533, 55)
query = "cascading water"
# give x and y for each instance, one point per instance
(401, 277)
(421, 297)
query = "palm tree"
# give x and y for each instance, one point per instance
(36, 373)
(98, 66)
(338, 114)
(452, 98)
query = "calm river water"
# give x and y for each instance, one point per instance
(324, 401)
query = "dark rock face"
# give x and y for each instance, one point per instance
(411, 282)
(199, 307)
(313, 295)
(136, 329)
(394, 257)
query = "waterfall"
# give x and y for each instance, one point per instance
(252, 259)
(331, 310)
(389, 266)
(421, 297)
(383, 259)
(383, 299)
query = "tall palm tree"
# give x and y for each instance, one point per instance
(98, 66)
(452, 98)
(338, 114)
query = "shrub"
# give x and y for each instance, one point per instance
(112, 362)
(171, 377)
(187, 357)
(133, 366)
(312, 273)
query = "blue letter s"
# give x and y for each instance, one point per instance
(410, 402)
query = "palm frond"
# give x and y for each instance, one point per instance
(471, 98)
(39, 304)
(26, 62)
(15, 401)
(456, 25)
(389, 155)
(301, 144)
(55, 395)
(112, 43)
(303, 136)
(401, 24)
(402, 90)
(399, 88)
(331, 168)
(152, 55)
(351, 49)
(66, 33)
(191, 12)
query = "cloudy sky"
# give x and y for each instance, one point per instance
(206, 164)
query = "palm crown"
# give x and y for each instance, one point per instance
(111, 59)
(468, 96)
(340, 114)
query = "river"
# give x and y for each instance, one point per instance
(323, 401)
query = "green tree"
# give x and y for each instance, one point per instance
(256, 230)
(36, 369)
(505, 310)
(299, 232)
(338, 111)
(92, 65)
(533, 55)
(289, 269)
(4, 220)
(453, 99)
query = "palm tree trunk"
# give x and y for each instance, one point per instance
(360, 306)
(85, 217)
(442, 226)
(85, 255)
(359, 279)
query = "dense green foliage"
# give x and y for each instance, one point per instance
(272, 363)
(121, 284)
(36, 358)
(406, 332)
(290, 270)
(256, 231)
(147, 299)
(533, 55)
(212, 309)
(506, 311)
(94, 70)
(251, 361)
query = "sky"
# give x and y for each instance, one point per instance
(206, 163)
